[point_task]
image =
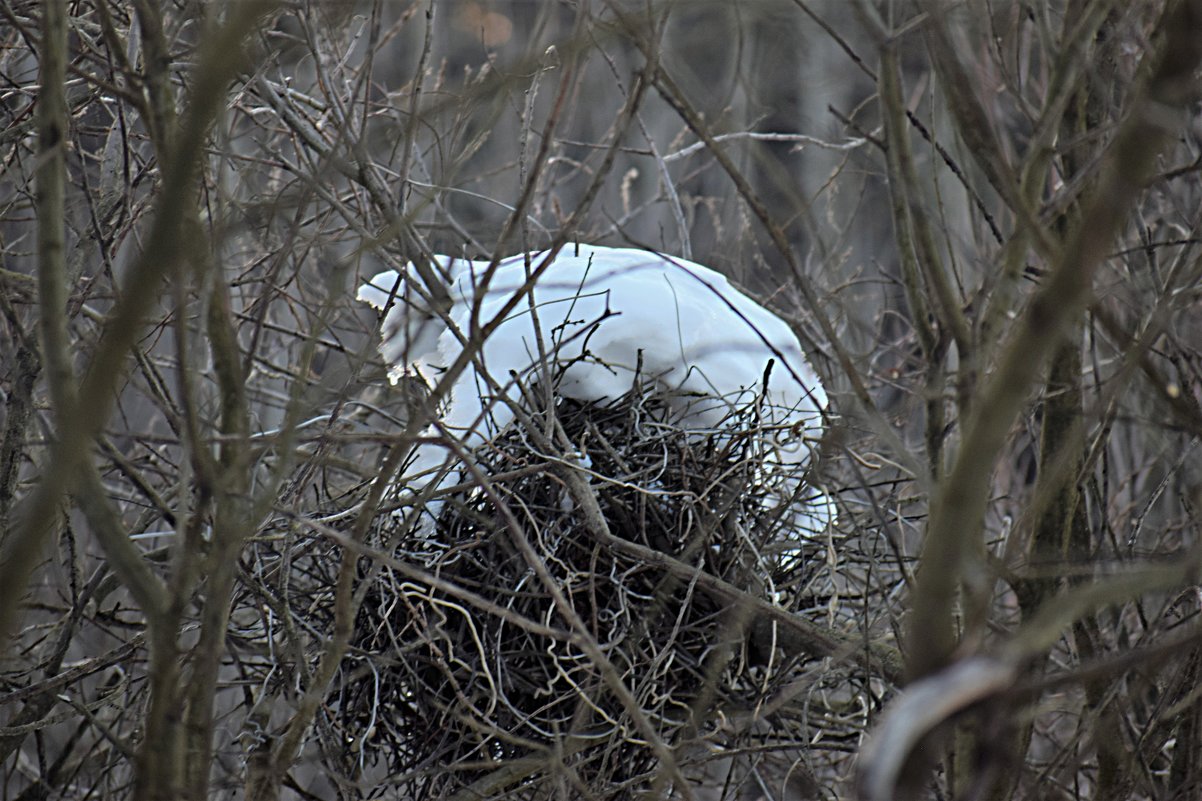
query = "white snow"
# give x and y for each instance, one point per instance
(597, 311)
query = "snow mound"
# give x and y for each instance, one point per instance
(597, 319)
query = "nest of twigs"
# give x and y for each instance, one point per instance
(448, 680)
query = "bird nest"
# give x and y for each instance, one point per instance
(481, 665)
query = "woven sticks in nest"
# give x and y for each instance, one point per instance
(453, 696)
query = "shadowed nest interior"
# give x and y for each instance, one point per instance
(444, 691)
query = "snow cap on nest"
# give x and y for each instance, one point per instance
(601, 314)
(605, 317)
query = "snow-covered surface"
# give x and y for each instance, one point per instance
(598, 311)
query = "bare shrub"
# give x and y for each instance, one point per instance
(981, 220)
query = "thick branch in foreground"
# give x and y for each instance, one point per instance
(959, 504)
(38, 512)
